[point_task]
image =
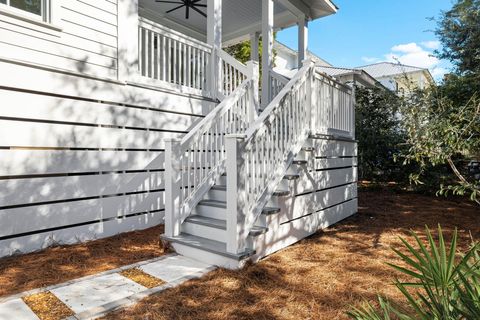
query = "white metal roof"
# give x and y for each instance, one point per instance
(385, 69)
(294, 53)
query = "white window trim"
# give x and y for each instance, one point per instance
(49, 19)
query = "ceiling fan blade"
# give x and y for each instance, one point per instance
(199, 5)
(187, 12)
(176, 8)
(199, 11)
(174, 2)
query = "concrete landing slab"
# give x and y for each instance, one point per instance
(16, 309)
(175, 267)
(88, 294)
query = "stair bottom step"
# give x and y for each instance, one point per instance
(212, 246)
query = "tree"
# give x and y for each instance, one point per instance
(440, 131)
(443, 124)
(459, 33)
(378, 134)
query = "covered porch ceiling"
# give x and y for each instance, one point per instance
(242, 17)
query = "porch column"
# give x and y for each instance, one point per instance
(127, 64)
(267, 49)
(214, 38)
(254, 46)
(302, 40)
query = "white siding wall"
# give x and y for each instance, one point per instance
(82, 158)
(86, 44)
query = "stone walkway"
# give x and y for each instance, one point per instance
(94, 296)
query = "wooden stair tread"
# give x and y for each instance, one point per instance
(223, 205)
(208, 245)
(278, 193)
(209, 222)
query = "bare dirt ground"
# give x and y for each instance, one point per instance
(60, 264)
(322, 276)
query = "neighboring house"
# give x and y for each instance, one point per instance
(400, 78)
(287, 58)
(286, 64)
(120, 115)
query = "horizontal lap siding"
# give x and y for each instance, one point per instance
(328, 180)
(80, 158)
(87, 43)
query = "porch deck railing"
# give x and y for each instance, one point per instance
(334, 110)
(173, 58)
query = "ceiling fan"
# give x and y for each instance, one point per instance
(188, 4)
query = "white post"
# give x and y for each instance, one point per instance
(254, 46)
(353, 113)
(214, 38)
(128, 53)
(267, 49)
(254, 74)
(302, 40)
(172, 188)
(236, 196)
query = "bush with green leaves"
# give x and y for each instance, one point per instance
(443, 285)
(378, 134)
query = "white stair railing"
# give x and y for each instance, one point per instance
(193, 164)
(277, 83)
(232, 74)
(334, 112)
(258, 160)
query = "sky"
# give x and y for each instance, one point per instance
(369, 31)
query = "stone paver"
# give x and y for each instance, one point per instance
(16, 309)
(96, 295)
(92, 293)
(173, 268)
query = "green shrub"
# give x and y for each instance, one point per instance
(443, 286)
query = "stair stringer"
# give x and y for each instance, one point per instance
(302, 213)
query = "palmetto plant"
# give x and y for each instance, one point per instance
(443, 286)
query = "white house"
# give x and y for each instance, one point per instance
(286, 64)
(398, 77)
(119, 115)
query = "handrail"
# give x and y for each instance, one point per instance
(193, 164)
(277, 82)
(310, 103)
(266, 151)
(232, 74)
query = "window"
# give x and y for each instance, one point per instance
(33, 8)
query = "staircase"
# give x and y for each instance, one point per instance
(226, 178)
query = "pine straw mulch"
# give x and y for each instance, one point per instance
(47, 306)
(320, 277)
(60, 264)
(142, 278)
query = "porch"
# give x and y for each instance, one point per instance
(180, 49)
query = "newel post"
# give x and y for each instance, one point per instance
(254, 74)
(311, 97)
(172, 187)
(236, 194)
